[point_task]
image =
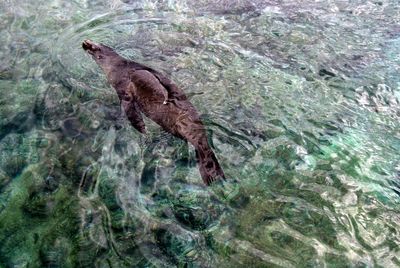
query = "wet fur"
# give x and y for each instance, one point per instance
(143, 90)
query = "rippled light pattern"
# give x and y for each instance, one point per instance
(301, 104)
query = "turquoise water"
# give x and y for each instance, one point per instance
(301, 103)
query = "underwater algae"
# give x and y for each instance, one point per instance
(300, 101)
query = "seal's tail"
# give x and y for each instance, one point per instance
(209, 167)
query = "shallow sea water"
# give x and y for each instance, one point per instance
(301, 103)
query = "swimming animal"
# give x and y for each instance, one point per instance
(142, 90)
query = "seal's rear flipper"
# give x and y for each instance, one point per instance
(210, 170)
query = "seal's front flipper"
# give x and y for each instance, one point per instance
(173, 91)
(134, 115)
(165, 97)
(145, 81)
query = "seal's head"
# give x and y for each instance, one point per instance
(104, 56)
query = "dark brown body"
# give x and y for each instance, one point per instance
(144, 90)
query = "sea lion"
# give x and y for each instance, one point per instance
(144, 90)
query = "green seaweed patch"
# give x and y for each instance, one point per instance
(14, 223)
(313, 224)
(195, 218)
(74, 161)
(13, 114)
(42, 226)
(294, 249)
(177, 249)
(107, 193)
(4, 180)
(14, 165)
(60, 233)
(336, 261)
(223, 250)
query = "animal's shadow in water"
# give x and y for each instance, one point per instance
(168, 160)
(163, 154)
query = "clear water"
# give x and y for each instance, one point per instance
(301, 102)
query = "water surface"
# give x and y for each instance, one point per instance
(301, 103)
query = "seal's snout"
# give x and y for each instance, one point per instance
(90, 46)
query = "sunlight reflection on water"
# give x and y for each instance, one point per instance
(301, 104)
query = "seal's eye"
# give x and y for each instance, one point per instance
(99, 57)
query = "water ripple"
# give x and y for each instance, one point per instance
(300, 101)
